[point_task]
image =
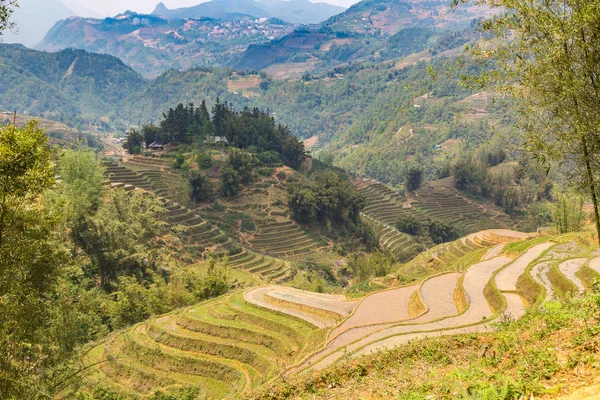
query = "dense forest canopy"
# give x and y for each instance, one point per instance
(246, 129)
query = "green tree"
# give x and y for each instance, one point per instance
(134, 142)
(409, 224)
(567, 213)
(30, 265)
(120, 237)
(77, 194)
(330, 197)
(200, 188)
(413, 178)
(441, 232)
(230, 181)
(547, 58)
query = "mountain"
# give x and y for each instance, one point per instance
(361, 32)
(293, 11)
(80, 9)
(218, 9)
(69, 85)
(151, 44)
(33, 19)
(300, 11)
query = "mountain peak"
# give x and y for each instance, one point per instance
(160, 9)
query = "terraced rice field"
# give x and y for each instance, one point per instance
(466, 215)
(197, 233)
(145, 178)
(233, 343)
(224, 346)
(282, 239)
(268, 269)
(570, 267)
(459, 254)
(483, 284)
(322, 310)
(384, 207)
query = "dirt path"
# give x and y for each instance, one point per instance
(540, 273)
(570, 267)
(475, 279)
(506, 280)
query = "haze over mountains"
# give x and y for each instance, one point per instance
(294, 11)
(152, 44)
(34, 18)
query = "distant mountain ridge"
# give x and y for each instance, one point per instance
(361, 32)
(293, 11)
(152, 44)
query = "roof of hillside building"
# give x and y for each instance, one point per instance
(156, 145)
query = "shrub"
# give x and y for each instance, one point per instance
(413, 178)
(409, 224)
(200, 188)
(269, 157)
(230, 182)
(281, 175)
(179, 161)
(204, 160)
(441, 232)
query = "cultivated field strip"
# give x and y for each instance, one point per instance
(386, 206)
(595, 264)
(506, 280)
(321, 310)
(539, 272)
(570, 267)
(282, 239)
(379, 308)
(267, 269)
(224, 346)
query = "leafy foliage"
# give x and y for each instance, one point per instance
(414, 177)
(200, 187)
(330, 197)
(30, 265)
(441, 232)
(120, 236)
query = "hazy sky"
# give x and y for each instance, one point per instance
(112, 7)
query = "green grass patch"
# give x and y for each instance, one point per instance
(587, 276)
(533, 292)
(494, 297)
(562, 286)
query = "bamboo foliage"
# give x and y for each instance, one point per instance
(545, 57)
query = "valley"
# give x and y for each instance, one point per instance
(267, 199)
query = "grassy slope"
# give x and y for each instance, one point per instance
(553, 351)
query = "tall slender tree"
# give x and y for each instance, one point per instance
(546, 55)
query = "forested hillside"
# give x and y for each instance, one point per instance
(352, 112)
(72, 86)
